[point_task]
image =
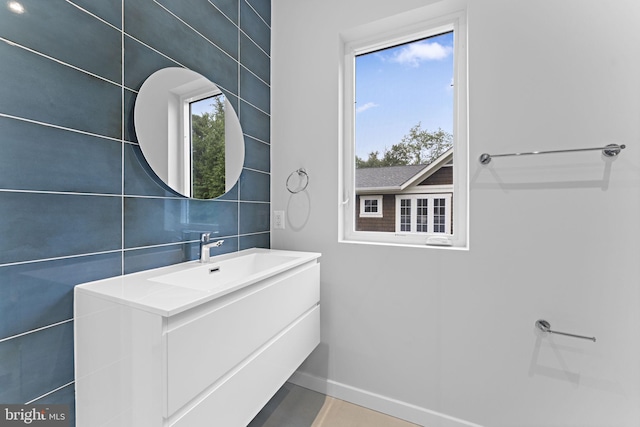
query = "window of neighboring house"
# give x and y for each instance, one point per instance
(371, 206)
(405, 97)
(423, 213)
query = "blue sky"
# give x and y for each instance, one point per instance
(399, 87)
(204, 106)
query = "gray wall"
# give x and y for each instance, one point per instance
(77, 203)
(436, 335)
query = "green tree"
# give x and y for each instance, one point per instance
(417, 147)
(372, 162)
(208, 152)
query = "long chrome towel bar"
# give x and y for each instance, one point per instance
(545, 326)
(610, 150)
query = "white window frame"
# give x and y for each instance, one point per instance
(185, 129)
(377, 214)
(428, 21)
(430, 222)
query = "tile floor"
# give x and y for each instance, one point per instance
(294, 406)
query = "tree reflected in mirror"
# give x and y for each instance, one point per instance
(207, 147)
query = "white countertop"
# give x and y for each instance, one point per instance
(141, 291)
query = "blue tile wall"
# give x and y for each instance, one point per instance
(46, 91)
(254, 58)
(254, 26)
(77, 200)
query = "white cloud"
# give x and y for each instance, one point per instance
(416, 53)
(366, 106)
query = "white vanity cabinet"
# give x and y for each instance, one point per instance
(143, 359)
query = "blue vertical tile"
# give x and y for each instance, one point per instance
(147, 258)
(38, 294)
(253, 25)
(109, 10)
(260, 240)
(36, 157)
(44, 90)
(220, 217)
(151, 221)
(255, 186)
(254, 91)
(257, 155)
(41, 226)
(140, 62)
(254, 59)
(232, 194)
(229, 245)
(98, 50)
(128, 105)
(11, 372)
(155, 257)
(254, 217)
(229, 8)
(208, 21)
(263, 8)
(36, 363)
(139, 178)
(254, 122)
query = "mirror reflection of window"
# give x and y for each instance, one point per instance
(207, 147)
(165, 98)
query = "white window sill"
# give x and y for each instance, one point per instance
(407, 241)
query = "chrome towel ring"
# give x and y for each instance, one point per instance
(302, 181)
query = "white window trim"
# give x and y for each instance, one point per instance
(186, 99)
(428, 189)
(424, 22)
(364, 214)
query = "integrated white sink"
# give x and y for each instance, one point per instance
(219, 272)
(170, 290)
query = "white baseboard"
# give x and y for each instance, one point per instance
(395, 408)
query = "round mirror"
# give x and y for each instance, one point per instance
(189, 133)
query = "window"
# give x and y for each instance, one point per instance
(371, 206)
(405, 128)
(206, 134)
(424, 213)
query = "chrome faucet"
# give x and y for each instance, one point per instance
(206, 244)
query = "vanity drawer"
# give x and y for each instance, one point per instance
(250, 387)
(202, 350)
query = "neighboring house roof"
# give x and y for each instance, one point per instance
(398, 178)
(384, 177)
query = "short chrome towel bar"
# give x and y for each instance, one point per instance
(610, 150)
(545, 326)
